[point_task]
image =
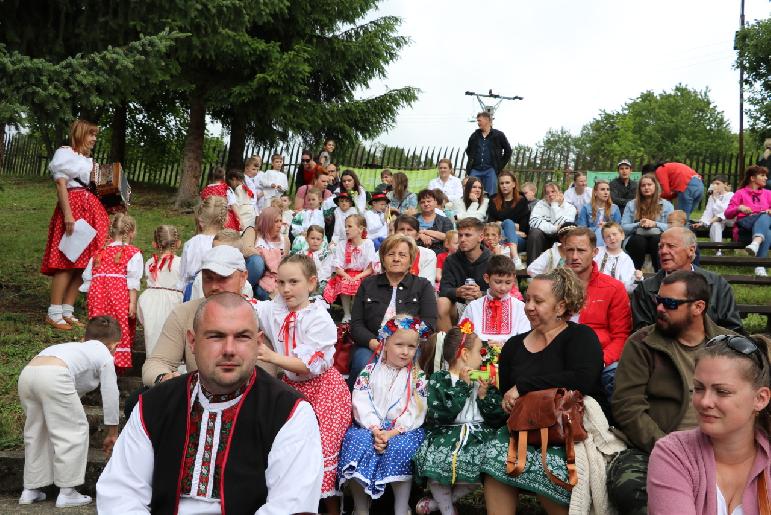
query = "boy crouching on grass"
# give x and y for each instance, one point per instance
(56, 430)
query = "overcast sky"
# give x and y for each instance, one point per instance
(568, 59)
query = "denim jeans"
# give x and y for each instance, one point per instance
(509, 229)
(255, 267)
(488, 177)
(688, 200)
(608, 379)
(762, 227)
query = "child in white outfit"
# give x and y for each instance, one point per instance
(56, 430)
(613, 261)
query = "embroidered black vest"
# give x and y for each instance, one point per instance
(263, 410)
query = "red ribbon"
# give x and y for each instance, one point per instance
(415, 269)
(156, 267)
(495, 307)
(289, 320)
(351, 251)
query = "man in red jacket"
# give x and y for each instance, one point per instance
(606, 309)
(678, 180)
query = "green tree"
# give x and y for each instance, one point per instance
(668, 125)
(558, 146)
(754, 45)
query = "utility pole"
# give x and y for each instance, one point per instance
(491, 108)
(741, 99)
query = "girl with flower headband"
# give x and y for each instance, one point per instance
(456, 429)
(351, 263)
(162, 295)
(389, 406)
(304, 336)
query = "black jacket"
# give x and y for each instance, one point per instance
(499, 146)
(621, 194)
(722, 305)
(414, 296)
(457, 268)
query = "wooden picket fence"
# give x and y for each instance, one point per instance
(25, 155)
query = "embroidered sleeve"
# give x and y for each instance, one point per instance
(363, 410)
(491, 409)
(445, 400)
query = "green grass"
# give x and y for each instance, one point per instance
(27, 204)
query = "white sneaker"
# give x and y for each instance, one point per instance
(518, 264)
(760, 271)
(753, 248)
(75, 499)
(31, 496)
(719, 253)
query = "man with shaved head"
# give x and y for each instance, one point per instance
(228, 438)
(677, 249)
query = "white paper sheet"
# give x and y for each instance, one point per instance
(73, 246)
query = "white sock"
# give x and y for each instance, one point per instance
(462, 490)
(401, 496)
(443, 497)
(68, 310)
(346, 301)
(68, 492)
(55, 312)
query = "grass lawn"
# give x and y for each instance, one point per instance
(27, 204)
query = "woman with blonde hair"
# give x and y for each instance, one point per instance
(644, 219)
(71, 169)
(599, 211)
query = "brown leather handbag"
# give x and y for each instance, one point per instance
(546, 417)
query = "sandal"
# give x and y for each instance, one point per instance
(60, 326)
(424, 506)
(74, 322)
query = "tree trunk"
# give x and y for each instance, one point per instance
(2, 143)
(237, 141)
(192, 155)
(118, 139)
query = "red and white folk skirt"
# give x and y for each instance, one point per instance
(109, 295)
(338, 286)
(331, 401)
(86, 206)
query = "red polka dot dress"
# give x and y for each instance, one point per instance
(68, 164)
(310, 335)
(108, 278)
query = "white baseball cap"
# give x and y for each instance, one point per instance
(223, 260)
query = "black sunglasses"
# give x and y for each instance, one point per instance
(305, 160)
(670, 303)
(739, 344)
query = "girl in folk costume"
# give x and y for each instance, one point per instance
(162, 293)
(112, 279)
(244, 203)
(71, 171)
(451, 454)
(252, 172)
(217, 187)
(304, 336)
(499, 314)
(273, 182)
(210, 217)
(389, 406)
(344, 209)
(265, 242)
(352, 262)
(315, 247)
(307, 217)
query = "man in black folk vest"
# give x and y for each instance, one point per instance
(227, 439)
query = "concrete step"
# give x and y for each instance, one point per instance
(12, 475)
(126, 385)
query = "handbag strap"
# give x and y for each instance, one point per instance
(571, 460)
(517, 456)
(764, 507)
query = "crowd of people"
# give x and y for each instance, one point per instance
(245, 405)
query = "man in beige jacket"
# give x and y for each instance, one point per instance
(223, 270)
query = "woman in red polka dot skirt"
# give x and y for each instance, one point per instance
(71, 170)
(112, 279)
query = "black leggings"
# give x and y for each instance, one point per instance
(638, 246)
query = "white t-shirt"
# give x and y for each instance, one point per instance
(453, 188)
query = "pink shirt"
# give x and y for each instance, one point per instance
(682, 473)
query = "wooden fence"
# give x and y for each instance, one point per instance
(25, 155)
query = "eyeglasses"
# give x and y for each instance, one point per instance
(739, 344)
(305, 160)
(670, 303)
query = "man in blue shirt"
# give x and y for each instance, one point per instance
(488, 153)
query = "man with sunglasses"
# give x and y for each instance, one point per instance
(677, 249)
(654, 381)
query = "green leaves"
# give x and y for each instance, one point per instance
(754, 45)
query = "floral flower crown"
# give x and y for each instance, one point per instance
(407, 322)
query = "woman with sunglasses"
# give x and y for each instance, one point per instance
(723, 466)
(751, 205)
